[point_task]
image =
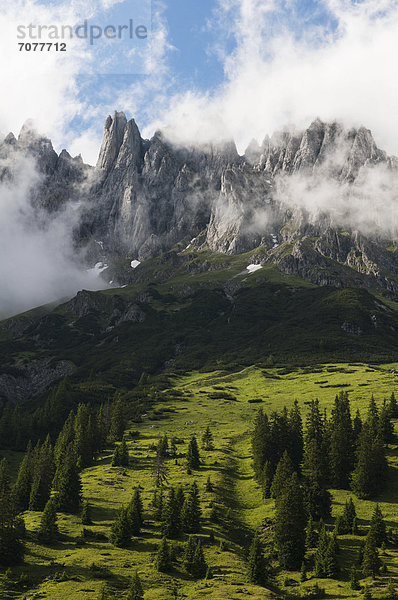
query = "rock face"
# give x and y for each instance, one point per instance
(34, 377)
(145, 196)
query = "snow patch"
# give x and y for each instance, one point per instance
(253, 268)
(134, 263)
(98, 268)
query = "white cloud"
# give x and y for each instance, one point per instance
(276, 76)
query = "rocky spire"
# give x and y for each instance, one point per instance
(112, 140)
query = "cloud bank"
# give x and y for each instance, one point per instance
(37, 261)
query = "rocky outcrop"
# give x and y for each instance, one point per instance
(30, 378)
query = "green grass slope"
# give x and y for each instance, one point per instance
(75, 569)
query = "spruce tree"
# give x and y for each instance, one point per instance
(193, 457)
(256, 563)
(378, 526)
(321, 552)
(356, 427)
(199, 565)
(162, 560)
(85, 516)
(341, 450)
(118, 420)
(207, 439)
(386, 428)
(311, 536)
(121, 530)
(373, 418)
(261, 443)
(67, 484)
(23, 483)
(135, 590)
(209, 485)
(48, 528)
(163, 447)
(349, 517)
(189, 553)
(171, 518)
(11, 525)
(371, 467)
(266, 479)
(371, 561)
(82, 439)
(318, 500)
(290, 524)
(331, 567)
(42, 475)
(393, 407)
(295, 442)
(191, 511)
(283, 474)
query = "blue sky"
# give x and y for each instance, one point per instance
(221, 68)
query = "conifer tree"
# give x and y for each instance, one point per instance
(321, 552)
(86, 518)
(160, 470)
(283, 474)
(267, 477)
(207, 439)
(371, 560)
(193, 457)
(318, 500)
(162, 560)
(209, 485)
(385, 427)
(136, 502)
(65, 439)
(290, 524)
(393, 407)
(180, 497)
(378, 526)
(163, 447)
(42, 475)
(11, 525)
(191, 511)
(373, 418)
(82, 437)
(118, 420)
(135, 590)
(23, 483)
(121, 529)
(171, 525)
(48, 529)
(199, 565)
(370, 471)
(331, 567)
(157, 503)
(349, 516)
(116, 456)
(189, 553)
(356, 427)
(67, 484)
(261, 442)
(256, 563)
(340, 441)
(121, 455)
(295, 441)
(311, 536)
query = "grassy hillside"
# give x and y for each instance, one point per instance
(75, 568)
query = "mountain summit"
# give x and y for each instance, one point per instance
(318, 203)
